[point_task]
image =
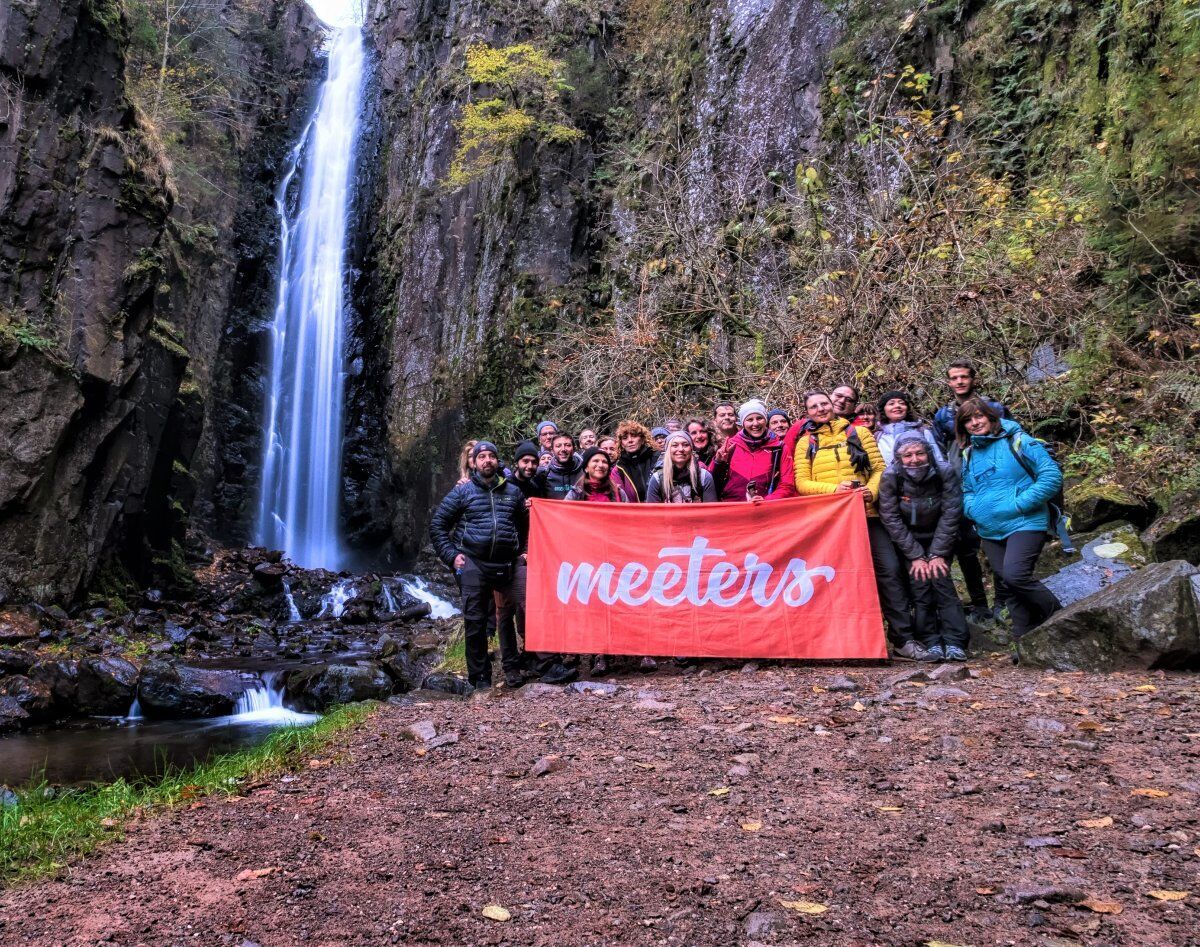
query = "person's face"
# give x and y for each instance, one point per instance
(563, 448)
(960, 381)
(546, 436)
(681, 452)
(699, 435)
(844, 400)
(526, 466)
(779, 424)
(896, 409)
(725, 418)
(913, 455)
(631, 443)
(587, 438)
(978, 424)
(609, 446)
(868, 416)
(755, 425)
(487, 463)
(819, 408)
(659, 440)
(673, 425)
(597, 468)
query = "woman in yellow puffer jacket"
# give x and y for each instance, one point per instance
(827, 459)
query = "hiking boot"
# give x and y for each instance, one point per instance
(646, 665)
(955, 653)
(514, 679)
(559, 674)
(600, 664)
(935, 652)
(981, 615)
(910, 651)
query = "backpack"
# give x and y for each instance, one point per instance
(859, 458)
(1060, 520)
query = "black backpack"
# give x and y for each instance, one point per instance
(859, 459)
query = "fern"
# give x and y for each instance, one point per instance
(1183, 385)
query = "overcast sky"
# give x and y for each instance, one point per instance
(335, 12)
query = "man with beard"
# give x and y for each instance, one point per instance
(559, 477)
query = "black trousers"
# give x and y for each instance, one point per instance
(1013, 559)
(938, 613)
(966, 551)
(891, 578)
(481, 595)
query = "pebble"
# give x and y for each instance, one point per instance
(943, 692)
(656, 705)
(1082, 744)
(738, 771)
(1043, 841)
(749, 667)
(538, 690)
(422, 731)
(1045, 725)
(842, 683)
(593, 688)
(547, 765)
(950, 672)
(1052, 894)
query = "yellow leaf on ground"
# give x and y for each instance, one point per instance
(751, 826)
(251, 873)
(1101, 907)
(777, 718)
(985, 890)
(889, 808)
(1102, 823)
(493, 912)
(940, 943)
(1151, 793)
(719, 791)
(858, 705)
(1091, 725)
(1146, 688)
(644, 765)
(805, 907)
(1168, 895)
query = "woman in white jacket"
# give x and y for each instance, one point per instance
(896, 417)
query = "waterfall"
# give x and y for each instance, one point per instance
(302, 437)
(333, 602)
(293, 611)
(389, 600)
(264, 704)
(438, 607)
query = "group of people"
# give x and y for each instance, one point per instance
(934, 491)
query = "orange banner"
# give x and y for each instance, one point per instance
(791, 579)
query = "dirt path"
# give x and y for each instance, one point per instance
(945, 812)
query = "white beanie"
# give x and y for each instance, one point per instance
(753, 406)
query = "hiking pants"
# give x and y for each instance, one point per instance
(939, 617)
(480, 595)
(966, 551)
(1013, 559)
(514, 615)
(891, 578)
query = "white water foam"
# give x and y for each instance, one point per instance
(333, 602)
(438, 607)
(264, 704)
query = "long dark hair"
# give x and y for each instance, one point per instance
(583, 484)
(971, 408)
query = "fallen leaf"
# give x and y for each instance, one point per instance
(805, 907)
(1031, 775)
(985, 890)
(889, 808)
(1101, 907)
(420, 751)
(1146, 688)
(818, 689)
(644, 765)
(940, 943)
(1151, 793)
(751, 826)
(858, 705)
(1168, 895)
(251, 873)
(319, 764)
(1068, 853)
(719, 791)
(777, 718)
(493, 912)
(1102, 823)
(1091, 725)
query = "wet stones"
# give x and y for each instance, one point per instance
(105, 685)
(321, 687)
(176, 690)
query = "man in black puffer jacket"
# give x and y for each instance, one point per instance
(480, 530)
(920, 504)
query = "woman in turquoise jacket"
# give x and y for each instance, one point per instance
(1008, 479)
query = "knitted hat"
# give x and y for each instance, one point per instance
(526, 449)
(545, 424)
(659, 432)
(592, 452)
(481, 446)
(912, 437)
(753, 406)
(678, 436)
(889, 395)
(780, 412)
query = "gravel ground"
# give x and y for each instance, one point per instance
(772, 805)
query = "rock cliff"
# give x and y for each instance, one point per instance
(115, 277)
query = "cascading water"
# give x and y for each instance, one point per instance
(333, 602)
(264, 704)
(302, 439)
(438, 607)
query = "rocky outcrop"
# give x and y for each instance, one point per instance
(106, 686)
(176, 690)
(1176, 533)
(318, 688)
(114, 285)
(1149, 620)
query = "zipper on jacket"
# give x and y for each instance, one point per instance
(495, 525)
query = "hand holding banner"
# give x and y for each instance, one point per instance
(792, 579)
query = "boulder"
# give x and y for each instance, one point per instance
(270, 574)
(33, 697)
(62, 678)
(12, 716)
(1176, 533)
(176, 690)
(106, 686)
(17, 626)
(1148, 620)
(399, 669)
(1093, 504)
(446, 683)
(15, 661)
(317, 688)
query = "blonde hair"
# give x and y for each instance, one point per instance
(668, 468)
(464, 459)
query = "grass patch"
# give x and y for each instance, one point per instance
(454, 659)
(45, 829)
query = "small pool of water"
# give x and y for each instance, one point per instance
(101, 751)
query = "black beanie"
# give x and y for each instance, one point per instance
(888, 396)
(526, 449)
(481, 446)
(592, 452)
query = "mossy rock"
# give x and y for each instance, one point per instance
(1092, 503)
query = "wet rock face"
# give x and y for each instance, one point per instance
(101, 315)
(1148, 620)
(176, 690)
(1176, 534)
(318, 688)
(105, 686)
